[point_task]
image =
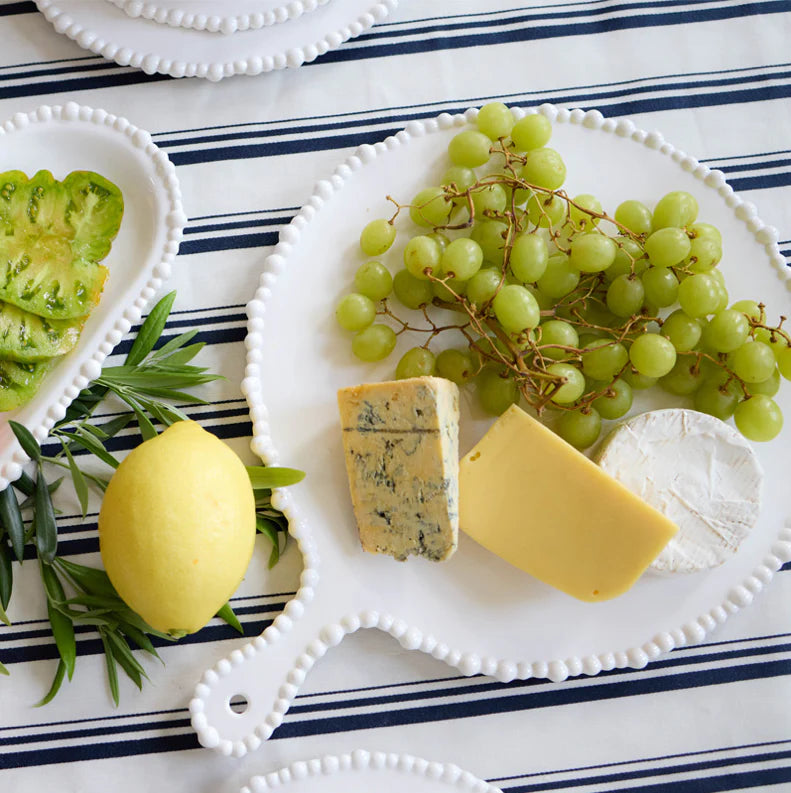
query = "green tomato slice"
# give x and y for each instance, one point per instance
(26, 337)
(20, 381)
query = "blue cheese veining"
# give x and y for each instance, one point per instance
(402, 457)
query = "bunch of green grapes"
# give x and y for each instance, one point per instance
(560, 304)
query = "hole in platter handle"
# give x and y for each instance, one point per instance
(243, 698)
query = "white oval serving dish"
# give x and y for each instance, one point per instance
(71, 137)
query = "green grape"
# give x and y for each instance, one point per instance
(592, 252)
(469, 149)
(580, 429)
(684, 332)
(784, 362)
(560, 277)
(616, 401)
(726, 331)
(652, 355)
(555, 331)
(355, 312)
(495, 392)
(545, 302)
(495, 120)
(684, 378)
(483, 286)
(635, 215)
(759, 418)
(417, 362)
(516, 308)
(430, 207)
(544, 168)
(374, 343)
(722, 294)
(462, 177)
(455, 365)
(410, 291)
(490, 235)
(704, 253)
(753, 362)
(716, 400)
(531, 132)
(529, 257)
(603, 359)
(629, 257)
(545, 211)
(440, 238)
(572, 383)
(443, 290)
(579, 217)
(597, 314)
(661, 286)
(748, 307)
(462, 258)
(373, 280)
(491, 198)
(768, 387)
(704, 231)
(625, 296)
(677, 210)
(422, 253)
(377, 237)
(638, 381)
(667, 247)
(699, 295)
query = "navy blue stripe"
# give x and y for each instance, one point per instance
(238, 224)
(760, 182)
(88, 67)
(213, 244)
(18, 8)
(112, 80)
(711, 784)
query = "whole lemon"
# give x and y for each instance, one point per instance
(177, 527)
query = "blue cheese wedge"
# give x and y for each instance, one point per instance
(401, 441)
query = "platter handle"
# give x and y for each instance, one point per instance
(240, 701)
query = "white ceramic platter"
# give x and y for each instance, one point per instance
(220, 16)
(362, 772)
(68, 138)
(475, 611)
(103, 28)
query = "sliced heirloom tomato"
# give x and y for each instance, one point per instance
(20, 381)
(26, 337)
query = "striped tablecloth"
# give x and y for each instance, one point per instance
(715, 77)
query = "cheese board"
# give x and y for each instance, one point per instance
(71, 137)
(475, 612)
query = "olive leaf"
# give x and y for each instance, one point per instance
(26, 440)
(112, 671)
(263, 478)
(6, 574)
(227, 613)
(45, 525)
(151, 330)
(11, 519)
(62, 626)
(60, 673)
(80, 485)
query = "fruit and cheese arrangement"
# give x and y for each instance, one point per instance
(524, 294)
(53, 234)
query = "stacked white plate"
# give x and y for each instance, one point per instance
(213, 38)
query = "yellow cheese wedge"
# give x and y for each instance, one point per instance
(532, 499)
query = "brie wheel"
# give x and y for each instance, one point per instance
(697, 471)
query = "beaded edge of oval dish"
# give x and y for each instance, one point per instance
(362, 760)
(738, 597)
(212, 71)
(217, 23)
(159, 268)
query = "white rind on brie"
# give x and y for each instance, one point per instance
(699, 472)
